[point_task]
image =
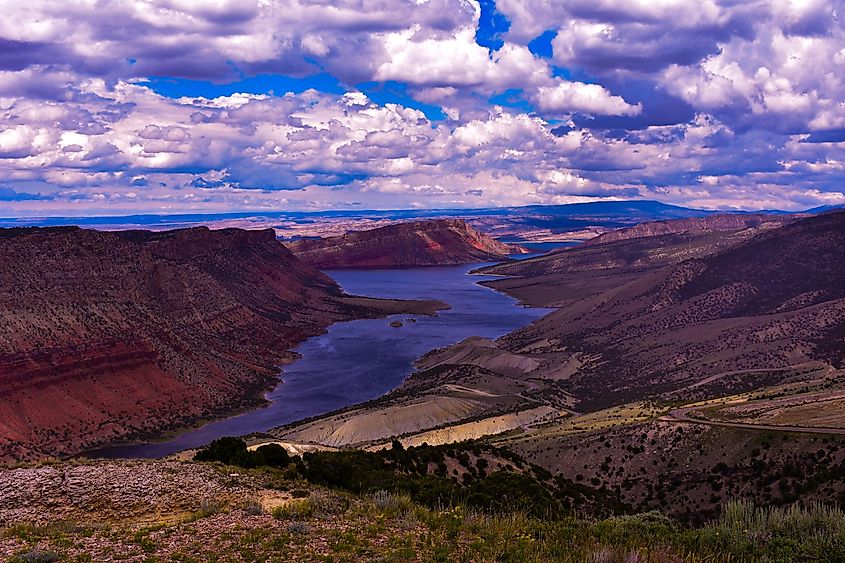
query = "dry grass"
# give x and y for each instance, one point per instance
(631, 413)
(329, 526)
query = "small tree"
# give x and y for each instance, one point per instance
(274, 455)
(227, 449)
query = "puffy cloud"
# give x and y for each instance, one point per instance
(805, 17)
(457, 60)
(567, 97)
(17, 142)
(132, 149)
(632, 36)
(780, 81)
(766, 63)
(213, 39)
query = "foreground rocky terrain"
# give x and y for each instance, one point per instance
(117, 491)
(155, 511)
(435, 242)
(113, 336)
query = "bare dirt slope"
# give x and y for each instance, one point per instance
(465, 391)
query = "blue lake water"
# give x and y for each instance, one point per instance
(542, 247)
(537, 248)
(360, 360)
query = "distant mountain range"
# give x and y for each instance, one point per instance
(825, 208)
(569, 216)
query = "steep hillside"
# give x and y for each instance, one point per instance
(421, 243)
(645, 246)
(663, 313)
(795, 266)
(110, 336)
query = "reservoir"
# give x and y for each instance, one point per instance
(356, 361)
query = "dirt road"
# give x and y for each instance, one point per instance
(684, 414)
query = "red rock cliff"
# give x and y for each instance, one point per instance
(108, 336)
(421, 243)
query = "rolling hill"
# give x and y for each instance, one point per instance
(667, 314)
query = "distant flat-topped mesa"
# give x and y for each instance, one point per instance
(110, 336)
(711, 224)
(435, 242)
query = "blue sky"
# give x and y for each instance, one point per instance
(223, 105)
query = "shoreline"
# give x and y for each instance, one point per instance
(386, 307)
(252, 401)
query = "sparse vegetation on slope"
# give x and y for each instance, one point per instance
(480, 476)
(308, 523)
(690, 471)
(698, 314)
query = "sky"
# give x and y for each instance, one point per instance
(111, 107)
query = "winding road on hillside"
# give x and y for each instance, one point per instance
(685, 414)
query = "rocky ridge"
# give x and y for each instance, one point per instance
(435, 242)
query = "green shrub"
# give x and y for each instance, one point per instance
(507, 492)
(234, 451)
(432, 491)
(393, 504)
(814, 532)
(327, 502)
(225, 449)
(294, 510)
(355, 471)
(274, 455)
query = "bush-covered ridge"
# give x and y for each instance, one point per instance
(306, 510)
(477, 475)
(326, 525)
